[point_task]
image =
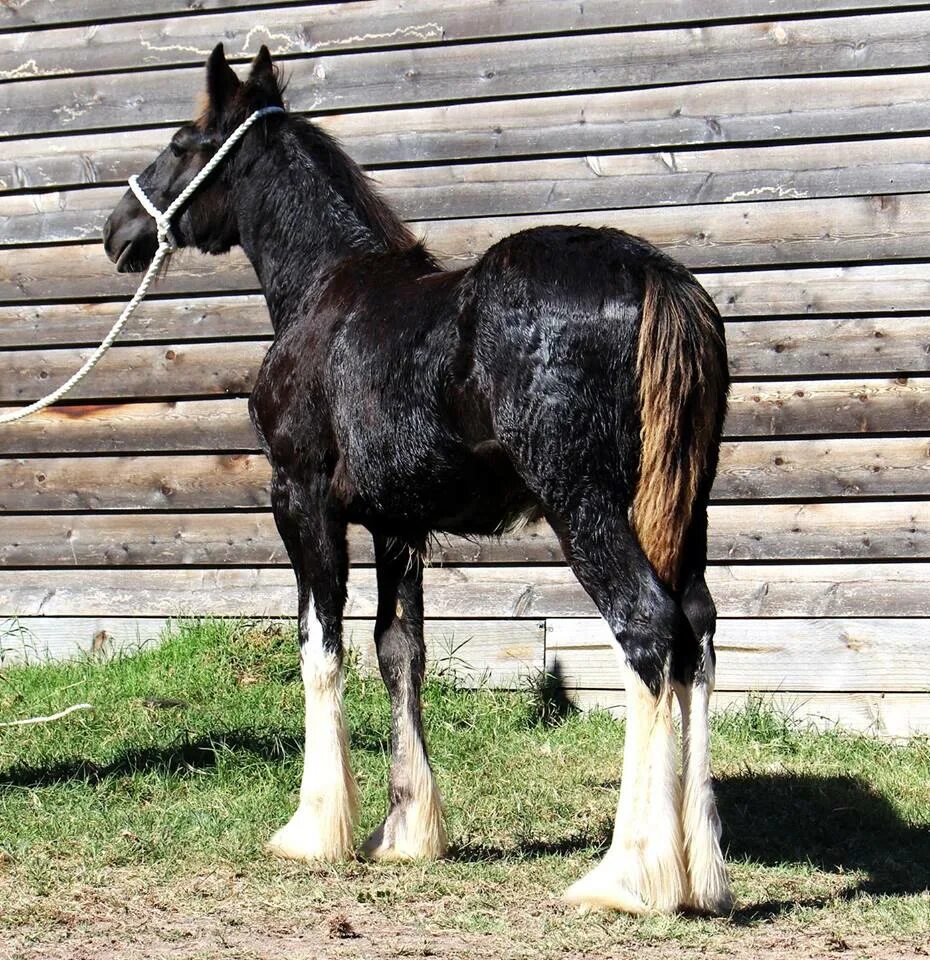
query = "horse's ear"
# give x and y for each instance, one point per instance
(222, 82)
(263, 77)
(261, 65)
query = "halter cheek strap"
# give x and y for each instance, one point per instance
(163, 218)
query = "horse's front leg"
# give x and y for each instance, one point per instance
(413, 828)
(322, 827)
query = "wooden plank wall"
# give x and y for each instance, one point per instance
(781, 148)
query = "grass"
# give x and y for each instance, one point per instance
(141, 823)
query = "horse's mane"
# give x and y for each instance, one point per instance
(354, 186)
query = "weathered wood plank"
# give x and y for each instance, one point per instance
(771, 408)
(815, 290)
(821, 590)
(823, 468)
(828, 346)
(492, 17)
(703, 236)
(722, 235)
(318, 27)
(681, 177)
(502, 653)
(490, 70)
(693, 114)
(803, 655)
(766, 408)
(766, 531)
(184, 318)
(891, 715)
(749, 470)
(205, 482)
(818, 290)
(179, 425)
(181, 369)
(767, 591)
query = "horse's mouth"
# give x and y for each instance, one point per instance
(130, 261)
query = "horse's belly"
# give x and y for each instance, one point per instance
(457, 490)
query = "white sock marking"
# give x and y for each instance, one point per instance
(643, 870)
(321, 828)
(707, 872)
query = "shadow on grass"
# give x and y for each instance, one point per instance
(836, 823)
(179, 758)
(549, 699)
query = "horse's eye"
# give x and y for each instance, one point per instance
(177, 149)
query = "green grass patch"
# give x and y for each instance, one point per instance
(191, 758)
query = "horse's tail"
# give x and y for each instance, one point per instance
(683, 381)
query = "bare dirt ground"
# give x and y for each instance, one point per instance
(220, 917)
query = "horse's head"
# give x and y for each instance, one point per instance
(207, 221)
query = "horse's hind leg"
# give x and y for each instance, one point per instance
(707, 872)
(644, 869)
(413, 828)
(322, 826)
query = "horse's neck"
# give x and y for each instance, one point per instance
(294, 231)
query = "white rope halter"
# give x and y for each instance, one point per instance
(166, 246)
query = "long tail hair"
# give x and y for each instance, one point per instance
(683, 381)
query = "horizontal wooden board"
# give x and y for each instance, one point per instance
(749, 470)
(828, 345)
(890, 715)
(693, 114)
(182, 318)
(289, 30)
(803, 655)
(757, 408)
(503, 68)
(724, 235)
(179, 425)
(500, 653)
(612, 181)
(704, 236)
(901, 404)
(767, 531)
(217, 481)
(814, 291)
(494, 17)
(518, 592)
(180, 369)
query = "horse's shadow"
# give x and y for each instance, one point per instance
(186, 756)
(837, 824)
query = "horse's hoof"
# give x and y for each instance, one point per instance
(406, 836)
(598, 890)
(302, 838)
(718, 904)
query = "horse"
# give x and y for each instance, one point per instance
(573, 374)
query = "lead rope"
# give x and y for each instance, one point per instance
(166, 246)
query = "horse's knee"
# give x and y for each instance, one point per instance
(656, 638)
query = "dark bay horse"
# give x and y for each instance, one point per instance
(574, 374)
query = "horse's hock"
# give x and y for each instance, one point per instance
(789, 175)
